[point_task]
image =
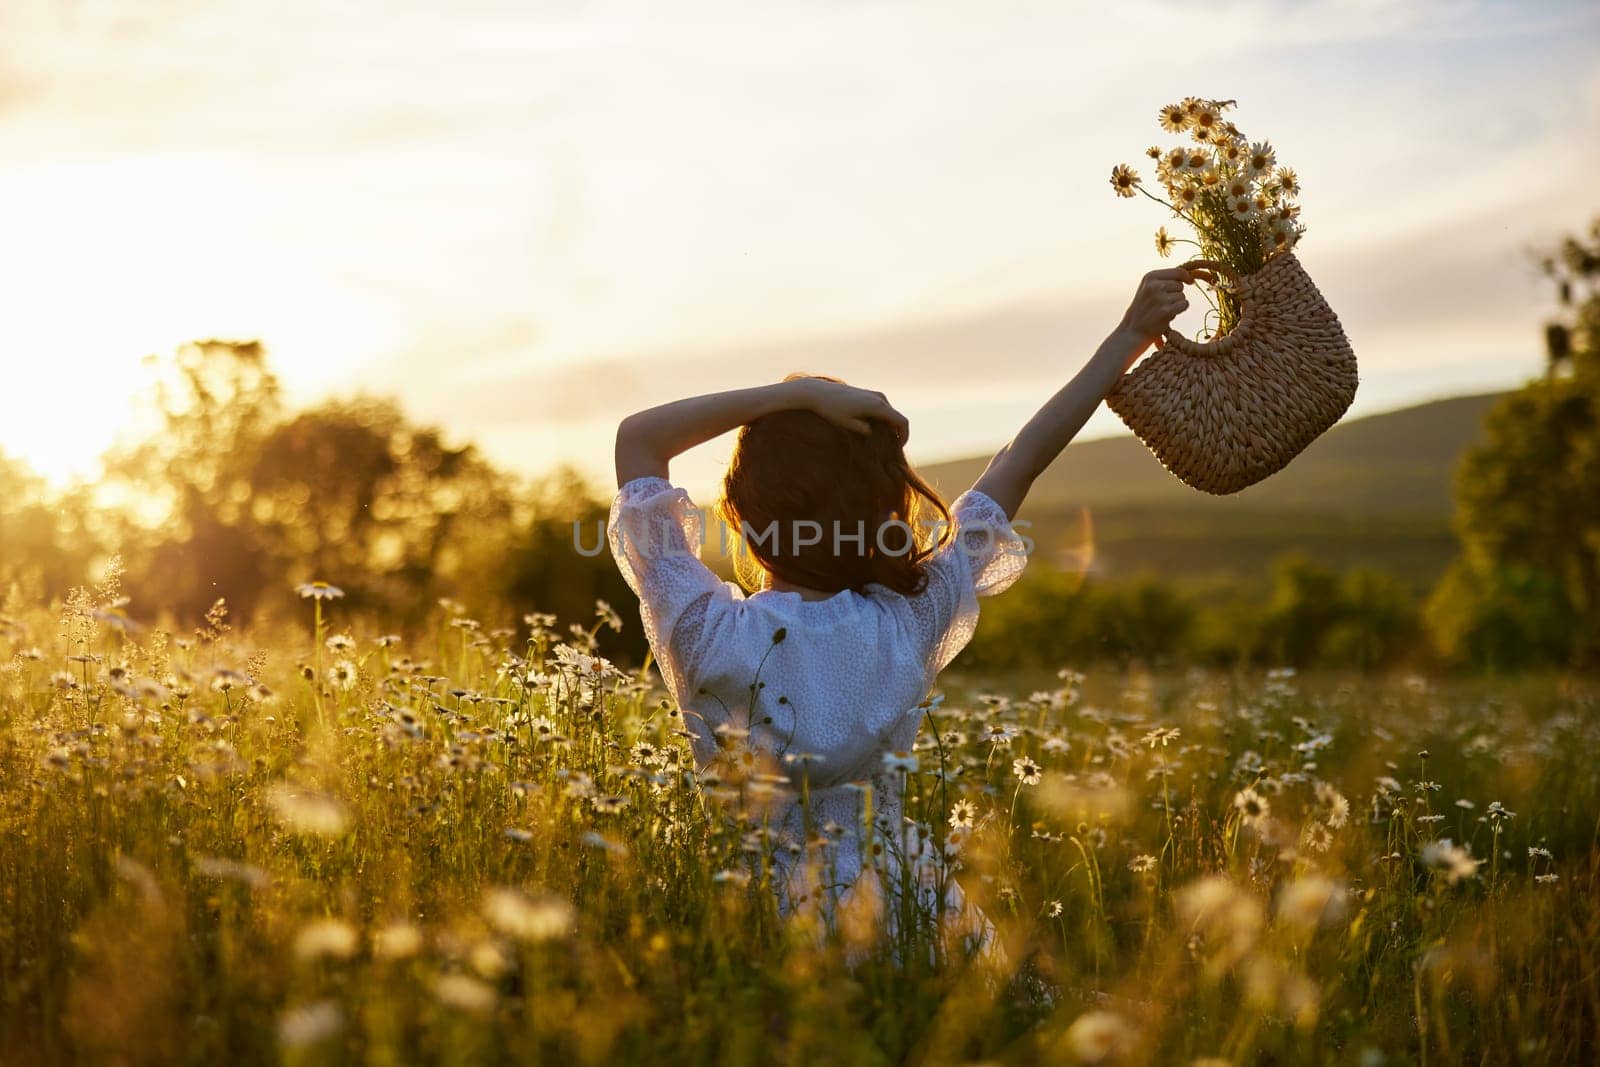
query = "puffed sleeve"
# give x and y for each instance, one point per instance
(983, 556)
(655, 532)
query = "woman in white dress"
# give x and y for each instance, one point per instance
(867, 587)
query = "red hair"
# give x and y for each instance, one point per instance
(795, 468)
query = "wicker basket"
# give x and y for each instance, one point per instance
(1224, 414)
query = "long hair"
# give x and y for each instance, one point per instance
(796, 477)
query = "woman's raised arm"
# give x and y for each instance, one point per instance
(648, 440)
(1014, 468)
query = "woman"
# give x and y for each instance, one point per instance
(867, 588)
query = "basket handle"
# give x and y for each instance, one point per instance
(1208, 270)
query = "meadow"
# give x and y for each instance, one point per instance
(327, 843)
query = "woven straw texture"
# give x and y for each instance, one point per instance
(1224, 414)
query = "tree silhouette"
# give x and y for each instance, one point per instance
(1526, 587)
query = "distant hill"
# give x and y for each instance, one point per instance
(1373, 491)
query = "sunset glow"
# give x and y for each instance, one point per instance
(524, 225)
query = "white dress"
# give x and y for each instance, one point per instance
(837, 682)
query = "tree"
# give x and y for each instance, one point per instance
(1318, 616)
(232, 496)
(180, 496)
(1525, 589)
(351, 492)
(46, 546)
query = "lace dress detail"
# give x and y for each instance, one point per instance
(825, 688)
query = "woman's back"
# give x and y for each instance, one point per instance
(815, 697)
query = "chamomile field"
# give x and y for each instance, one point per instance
(473, 844)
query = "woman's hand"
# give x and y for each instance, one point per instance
(1157, 302)
(854, 409)
(648, 440)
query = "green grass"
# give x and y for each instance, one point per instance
(412, 868)
(1373, 491)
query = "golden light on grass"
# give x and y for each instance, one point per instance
(1149, 866)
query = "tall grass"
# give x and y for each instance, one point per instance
(475, 845)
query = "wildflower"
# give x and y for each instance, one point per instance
(1142, 863)
(1027, 771)
(963, 813)
(1161, 735)
(1231, 152)
(397, 941)
(1535, 852)
(1098, 1036)
(728, 734)
(1498, 813)
(607, 615)
(1260, 161)
(232, 871)
(340, 643)
(466, 993)
(1338, 806)
(1205, 118)
(738, 879)
(387, 640)
(1052, 909)
(1318, 837)
(527, 918)
(1289, 183)
(609, 805)
(1253, 807)
(900, 761)
(310, 1024)
(1450, 859)
(489, 960)
(998, 733)
(310, 813)
(342, 674)
(1283, 235)
(1226, 917)
(1309, 902)
(225, 681)
(1547, 879)
(326, 938)
(1123, 179)
(1164, 242)
(319, 591)
(604, 843)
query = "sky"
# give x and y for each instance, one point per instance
(525, 220)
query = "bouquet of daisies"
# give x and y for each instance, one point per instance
(1231, 190)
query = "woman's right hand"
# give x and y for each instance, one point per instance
(849, 407)
(1157, 302)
